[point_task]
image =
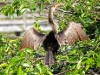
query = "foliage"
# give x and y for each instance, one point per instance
(81, 58)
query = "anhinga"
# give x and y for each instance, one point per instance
(52, 41)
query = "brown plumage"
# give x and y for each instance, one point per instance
(52, 41)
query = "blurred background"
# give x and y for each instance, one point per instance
(20, 16)
(13, 26)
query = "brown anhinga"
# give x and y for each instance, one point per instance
(52, 41)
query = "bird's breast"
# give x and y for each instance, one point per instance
(51, 43)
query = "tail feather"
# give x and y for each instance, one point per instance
(48, 60)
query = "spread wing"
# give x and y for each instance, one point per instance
(32, 39)
(73, 32)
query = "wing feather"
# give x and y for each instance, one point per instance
(32, 39)
(73, 32)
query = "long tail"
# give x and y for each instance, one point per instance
(48, 60)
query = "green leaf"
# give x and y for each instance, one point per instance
(11, 11)
(28, 50)
(49, 73)
(36, 26)
(5, 12)
(98, 60)
(87, 67)
(41, 7)
(38, 66)
(12, 62)
(18, 12)
(3, 65)
(89, 63)
(2, 73)
(79, 64)
(37, 73)
(72, 52)
(33, 7)
(26, 64)
(21, 7)
(81, 19)
(19, 70)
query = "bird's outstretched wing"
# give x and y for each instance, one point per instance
(73, 32)
(32, 39)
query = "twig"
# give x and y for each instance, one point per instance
(98, 71)
(62, 73)
(97, 46)
(37, 59)
(92, 72)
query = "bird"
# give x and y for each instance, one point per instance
(52, 41)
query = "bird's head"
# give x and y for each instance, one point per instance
(54, 6)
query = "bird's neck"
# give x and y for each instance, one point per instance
(53, 24)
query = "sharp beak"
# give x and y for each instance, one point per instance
(57, 5)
